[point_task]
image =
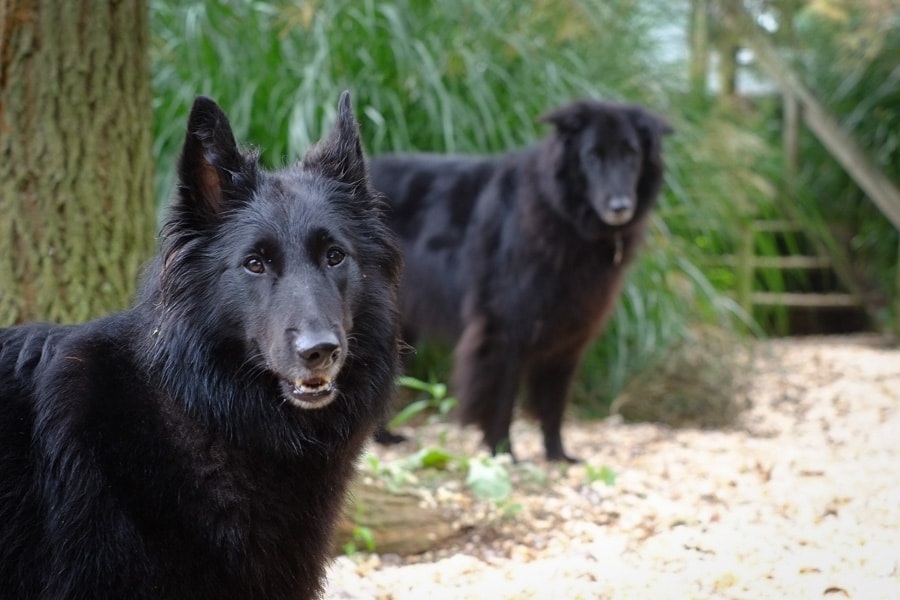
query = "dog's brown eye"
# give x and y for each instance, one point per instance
(334, 256)
(255, 265)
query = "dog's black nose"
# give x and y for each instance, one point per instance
(620, 204)
(317, 351)
(321, 355)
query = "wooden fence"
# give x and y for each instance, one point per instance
(801, 105)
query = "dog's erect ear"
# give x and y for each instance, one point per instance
(645, 120)
(340, 155)
(211, 166)
(651, 129)
(570, 118)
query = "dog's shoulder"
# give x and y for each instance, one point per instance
(29, 353)
(427, 175)
(23, 349)
(50, 364)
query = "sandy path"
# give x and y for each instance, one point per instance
(802, 501)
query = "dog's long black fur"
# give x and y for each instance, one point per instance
(518, 259)
(198, 446)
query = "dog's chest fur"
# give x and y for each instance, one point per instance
(565, 284)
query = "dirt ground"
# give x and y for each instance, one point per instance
(801, 500)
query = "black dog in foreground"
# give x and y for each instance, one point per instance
(198, 446)
(519, 258)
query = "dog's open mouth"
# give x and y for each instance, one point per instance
(314, 392)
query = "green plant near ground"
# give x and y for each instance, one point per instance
(602, 473)
(436, 400)
(488, 477)
(362, 538)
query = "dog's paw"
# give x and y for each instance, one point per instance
(385, 437)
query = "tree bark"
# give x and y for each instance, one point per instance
(698, 28)
(727, 43)
(77, 214)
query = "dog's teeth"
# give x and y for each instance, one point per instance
(312, 387)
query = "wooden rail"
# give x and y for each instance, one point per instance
(800, 103)
(836, 140)
(830, 300)
(747, 262)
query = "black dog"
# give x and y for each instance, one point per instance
(519, 258)
(199, 445)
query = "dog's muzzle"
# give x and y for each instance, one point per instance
(617, 210)
(310, 393)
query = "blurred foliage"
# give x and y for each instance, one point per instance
(846, 52)
(472, 76)
(445, 76)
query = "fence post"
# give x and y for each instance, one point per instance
(791, 137)
(745, 268)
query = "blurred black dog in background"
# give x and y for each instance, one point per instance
(518, 259)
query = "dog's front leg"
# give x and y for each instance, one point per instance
(549, 383)
(485, 380)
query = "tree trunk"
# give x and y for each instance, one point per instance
(77, 215)
(727, 43)
(699, 47)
